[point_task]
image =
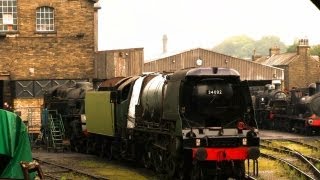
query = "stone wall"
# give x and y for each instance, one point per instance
(303, 72)
(30, 112)
(66, 53)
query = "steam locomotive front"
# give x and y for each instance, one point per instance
(309, 107)
(217, 118)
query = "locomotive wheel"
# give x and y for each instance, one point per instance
(239, 170)
(308, 131)
(88, 147)
(115, 151)
(157, 161)
(170, 166)
(108, 151)
(146, 159)
(197, 172)
(102, 150)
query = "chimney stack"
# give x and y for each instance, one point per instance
(254, 56)
(164, 43)
(303, 47)
(274, 51)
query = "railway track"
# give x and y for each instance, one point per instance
(306, 162)
(249, 177)
(305, 144)
(290, 165)
(58, 172)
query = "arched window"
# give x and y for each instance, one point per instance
(8, 15)
(45, 19)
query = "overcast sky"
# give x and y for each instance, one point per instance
(202, 23)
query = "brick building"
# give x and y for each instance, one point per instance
(300, 68)
(44, 43)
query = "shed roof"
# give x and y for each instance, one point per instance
(249, 70)
(169, 54)
(281, 59)
(277, 60)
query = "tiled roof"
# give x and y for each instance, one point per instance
(316, 58)
(278, 60)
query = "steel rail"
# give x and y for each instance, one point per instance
(70, 170)
(303, 144)
(292, 166)
(300, 156)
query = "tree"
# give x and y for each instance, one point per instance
(263, 45)
(243, 46)
(315, 50)
(293, 47)
(236, 46)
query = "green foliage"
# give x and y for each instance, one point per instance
(236, 46)
(315, 50)
(263, 45)
(243, 46)
(293, 47)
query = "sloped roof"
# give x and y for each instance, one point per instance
(278, 60)
(249, 70)
(316, 58)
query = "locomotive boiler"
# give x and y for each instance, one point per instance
(196, 122)
(306, 107)
(269, 102)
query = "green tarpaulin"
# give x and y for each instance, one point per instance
(14, 142)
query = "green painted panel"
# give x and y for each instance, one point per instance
(99, 113)
(15, 144)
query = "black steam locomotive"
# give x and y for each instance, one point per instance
(193, 123)
(297, 111)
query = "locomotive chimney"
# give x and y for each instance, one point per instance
(277, 84)
(164, 43)
(312, 89)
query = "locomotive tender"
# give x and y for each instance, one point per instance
(196, 122)
(298, 111)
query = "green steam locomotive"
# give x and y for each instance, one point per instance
(193, 123)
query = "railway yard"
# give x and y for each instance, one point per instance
(71, 111)
(283, 156)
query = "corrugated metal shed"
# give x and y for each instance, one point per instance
(119, 62)
(248, 70)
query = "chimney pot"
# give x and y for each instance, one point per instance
(303, 47)
(274, 51)
(164, 41)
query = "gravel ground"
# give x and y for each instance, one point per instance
(116, 170)
(112, 170)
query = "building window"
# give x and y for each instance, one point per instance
(45, 19)
(8, 15)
